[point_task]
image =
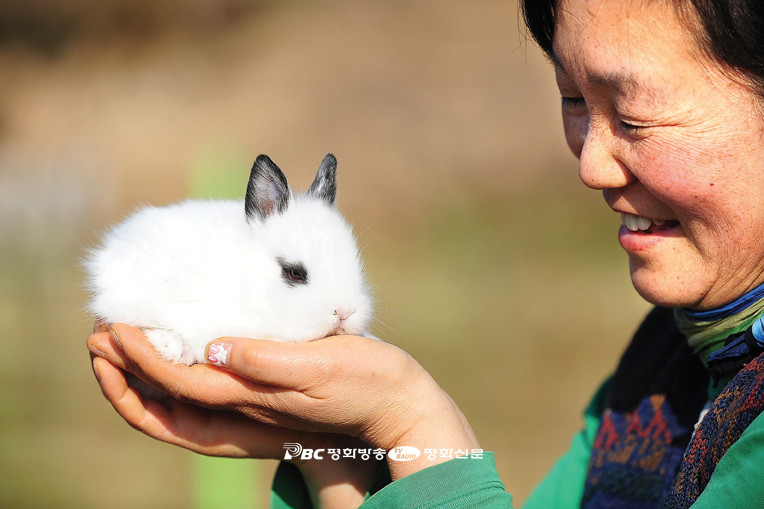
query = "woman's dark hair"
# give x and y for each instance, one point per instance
(730, 31)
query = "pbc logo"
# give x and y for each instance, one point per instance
(295, 451)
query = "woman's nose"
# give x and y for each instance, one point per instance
(599, 164)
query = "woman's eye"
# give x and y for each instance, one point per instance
(630, 127)
(573, 101)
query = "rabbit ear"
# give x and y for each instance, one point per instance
(324, 186)
(267, 191)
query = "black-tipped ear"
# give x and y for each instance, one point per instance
(325, 185)
(267, 192)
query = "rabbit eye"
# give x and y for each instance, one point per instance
(297, 276)
(293, 273)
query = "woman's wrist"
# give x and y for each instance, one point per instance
(337, 484)
(446, 431)
(430, 420)
(336, 481)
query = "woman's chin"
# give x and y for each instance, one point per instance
(666, 289)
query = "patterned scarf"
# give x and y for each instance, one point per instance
(645, 454)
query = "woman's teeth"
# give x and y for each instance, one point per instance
(639, 223)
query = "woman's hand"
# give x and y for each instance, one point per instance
(344, 385)
(335, 483)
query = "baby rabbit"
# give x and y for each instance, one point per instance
(274, 266)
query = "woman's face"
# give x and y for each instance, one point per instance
(676, 146)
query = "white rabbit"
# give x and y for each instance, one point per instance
(274, 266)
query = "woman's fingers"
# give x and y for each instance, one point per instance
(102, 344)
(144, 415)
(192, 427)
(115, 388)
(128, 349)
(100, 325)
(259, 365)
(341, 383)
(266, 362)
(276, 388)
(298, 366)
(346, 384)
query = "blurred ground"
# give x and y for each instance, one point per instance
(495, 268)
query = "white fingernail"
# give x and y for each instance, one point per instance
(217, 353)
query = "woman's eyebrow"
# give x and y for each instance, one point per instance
(614, 80)
(618, 81)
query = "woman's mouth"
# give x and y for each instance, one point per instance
(640, 224)
(639, 233)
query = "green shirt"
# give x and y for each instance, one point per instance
(738, 480)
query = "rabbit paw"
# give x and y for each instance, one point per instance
(170, 346)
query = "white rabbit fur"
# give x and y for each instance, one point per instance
(192, 272)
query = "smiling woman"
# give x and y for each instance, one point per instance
(671, 130)
(662, 105)
(659, 129)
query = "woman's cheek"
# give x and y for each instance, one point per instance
(679, 174)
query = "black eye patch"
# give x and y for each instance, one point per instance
(293, 273)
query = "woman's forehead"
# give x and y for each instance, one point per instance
(616, 42)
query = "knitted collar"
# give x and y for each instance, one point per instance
(735, 329)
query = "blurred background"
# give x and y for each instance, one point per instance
(492, 264)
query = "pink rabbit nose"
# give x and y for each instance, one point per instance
(343, 314)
